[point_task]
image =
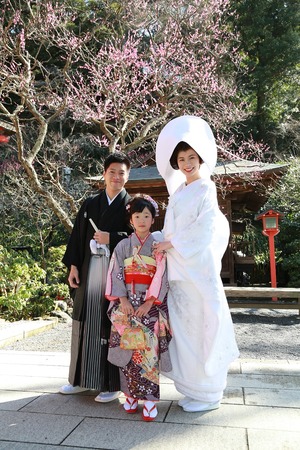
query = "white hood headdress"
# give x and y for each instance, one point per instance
(194, 131)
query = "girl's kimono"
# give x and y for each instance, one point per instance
(135, 274)
(203, 342)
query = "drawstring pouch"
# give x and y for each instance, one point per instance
(133, 338)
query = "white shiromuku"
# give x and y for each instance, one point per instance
(203, 343)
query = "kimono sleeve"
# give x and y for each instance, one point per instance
(74, 251)
(159, 286)
(201, 233)
(115, 283)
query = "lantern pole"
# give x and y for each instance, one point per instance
(272, 260)
(270, 221)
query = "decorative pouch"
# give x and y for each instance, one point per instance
(132, 339)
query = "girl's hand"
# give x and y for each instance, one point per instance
(144, 309)
(126, 306)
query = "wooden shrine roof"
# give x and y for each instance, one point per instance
(246, 181)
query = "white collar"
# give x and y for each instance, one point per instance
(111, 200)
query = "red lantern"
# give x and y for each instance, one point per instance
(3, 137)
(270, 221)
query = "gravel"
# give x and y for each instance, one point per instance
(58, 339)
(267, 334)
(260, 334)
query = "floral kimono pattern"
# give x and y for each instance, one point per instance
(136, 274)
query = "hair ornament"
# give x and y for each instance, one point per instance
(152, 201)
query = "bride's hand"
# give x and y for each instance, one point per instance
(162, 247)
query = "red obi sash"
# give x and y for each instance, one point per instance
(139, 270)
(138, 278)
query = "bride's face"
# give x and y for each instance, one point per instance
(189, 164)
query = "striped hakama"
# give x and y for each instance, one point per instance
(89, 367)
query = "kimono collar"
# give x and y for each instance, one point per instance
(142, 241)
(116, 201)
(109, 201)
(136, 250)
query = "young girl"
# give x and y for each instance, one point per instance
(137, 287)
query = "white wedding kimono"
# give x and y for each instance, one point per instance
(203, 343)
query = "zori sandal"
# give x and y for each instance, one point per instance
(149, 411)
(130, 405)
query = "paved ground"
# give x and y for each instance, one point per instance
(260, 410)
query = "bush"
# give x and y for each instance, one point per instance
(20, 277)
(43, 302)
(56, 270)
(291, 259)
(23, 292)
(286, 199)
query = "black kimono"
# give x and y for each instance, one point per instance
(89, 367)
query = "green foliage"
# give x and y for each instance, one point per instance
(288, 243)
(56, 270)
(30, 226)
(20, 277)
(286, 199)
(256, 245)
(292, 266)
(270, 43)
(286, 195)
(43, 302)
(23, 292)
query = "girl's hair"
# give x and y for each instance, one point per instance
(181, 147)
(138, 203)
